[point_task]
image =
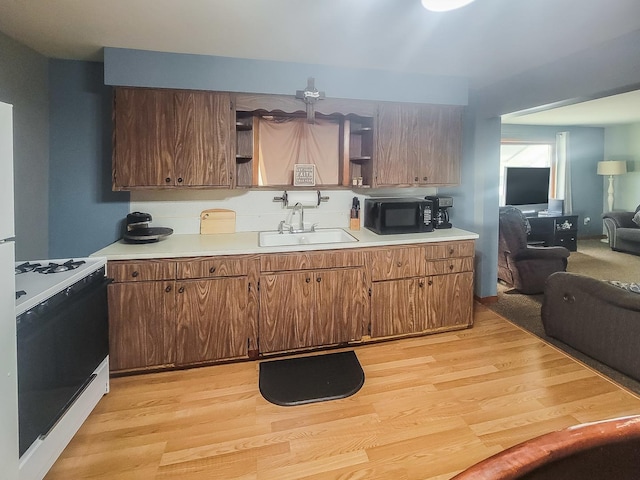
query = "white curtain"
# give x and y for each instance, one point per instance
(563, 172)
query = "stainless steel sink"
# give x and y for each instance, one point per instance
(321, 235)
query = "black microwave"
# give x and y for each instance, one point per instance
(398, 215)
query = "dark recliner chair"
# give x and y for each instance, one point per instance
(623, 231)
(522, 266)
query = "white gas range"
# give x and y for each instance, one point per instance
(39, 280)
(62, 349)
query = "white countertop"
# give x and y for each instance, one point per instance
(196, 245)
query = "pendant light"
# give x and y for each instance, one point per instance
(444, 5)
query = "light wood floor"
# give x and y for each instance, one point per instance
(430, 407)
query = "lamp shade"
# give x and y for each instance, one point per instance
(612, 167)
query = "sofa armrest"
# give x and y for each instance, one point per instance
(537, 253)
(621, 219)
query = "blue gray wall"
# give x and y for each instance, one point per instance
(23, 83)
(84, 214)
(143, 68)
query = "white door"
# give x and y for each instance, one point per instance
(8, 368)
(7, 229)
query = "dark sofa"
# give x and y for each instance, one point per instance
(595, 317)
(624, 233)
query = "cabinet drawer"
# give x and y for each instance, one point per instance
(453, 265)
(140, 271)
(311, 260)
(394, 263)
(449, 250)
(210, 267)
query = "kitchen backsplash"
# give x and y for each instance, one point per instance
(255, 210)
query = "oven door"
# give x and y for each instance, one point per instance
(58, 351)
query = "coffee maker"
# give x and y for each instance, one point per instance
(441, 204)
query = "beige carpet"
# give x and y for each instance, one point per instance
(594, 259)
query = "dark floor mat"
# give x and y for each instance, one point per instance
(318, 378)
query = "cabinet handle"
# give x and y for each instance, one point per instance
(451, 267)
(179, 179)
(318, 279)
(421, 284)
(212, 270)
(135, 274)
(415, 179)
(430, 282)
(167, 180)
(181, 290)
(451, 251)
(399, 264)
(168, 288)
(425, 178)
(307, 280)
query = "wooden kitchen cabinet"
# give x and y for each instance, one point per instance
(164, 313)
(171, 138)
(303, 305)
(418, 144)
(421, 289)
(141, 325)
(211, 319)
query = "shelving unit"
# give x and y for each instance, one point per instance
(358, 148)
(244, 149)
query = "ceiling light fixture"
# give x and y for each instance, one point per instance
(444, 5)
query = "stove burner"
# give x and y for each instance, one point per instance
(26, 267)
(53, 267)
(20, 293)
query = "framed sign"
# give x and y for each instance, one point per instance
(304, 175)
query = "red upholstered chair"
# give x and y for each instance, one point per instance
(607, 450)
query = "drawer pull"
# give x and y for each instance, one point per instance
(307, 280)
(167, 180)
(318, 279)
(451, 251)
(168, 288)
(135, 274)
(451, 267)
(212, 270)
(179, 179)
(430, 282)
(181, 290)
(421, 284)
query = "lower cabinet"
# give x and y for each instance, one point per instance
(141, 325)
(406, 301)
(169, 313)
(311, 308)
(162, 314)
(211, 318)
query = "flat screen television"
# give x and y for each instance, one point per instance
(527, 186)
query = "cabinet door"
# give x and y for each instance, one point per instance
(342, 303)
(143, 150)
(440, 144)
(398, 307)
(211, 319)
(396, 149)
(203, 134)
(449, 300)
(286, 311)
(141, 325)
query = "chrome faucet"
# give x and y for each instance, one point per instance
(301, 223)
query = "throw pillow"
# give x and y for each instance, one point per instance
(629, 287)
(636, 218)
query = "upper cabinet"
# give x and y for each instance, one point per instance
(200, 139)
(418, 144)
(171, 138)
